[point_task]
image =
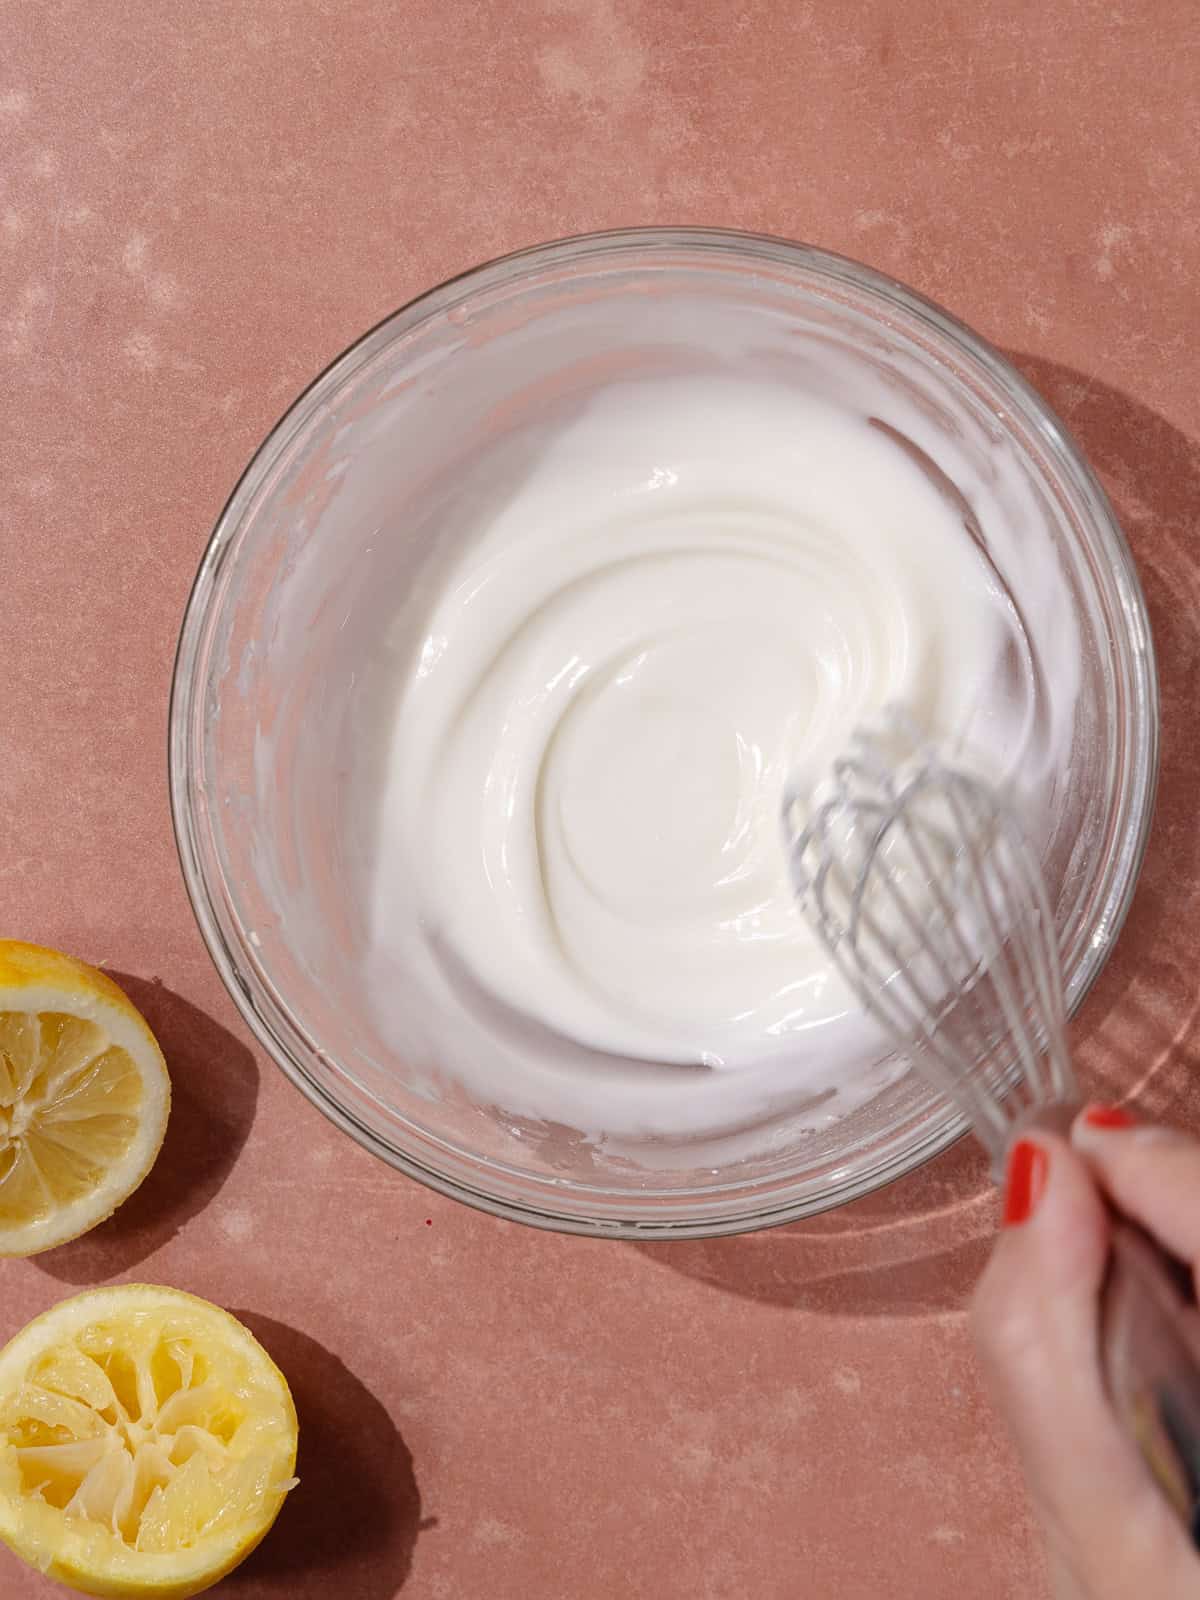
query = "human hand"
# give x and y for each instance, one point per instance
(1109, 1532)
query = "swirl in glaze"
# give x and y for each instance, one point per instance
(696, 589)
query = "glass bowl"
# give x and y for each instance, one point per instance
(334, 518)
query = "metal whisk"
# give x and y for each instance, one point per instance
(924, 889)
(920, 882)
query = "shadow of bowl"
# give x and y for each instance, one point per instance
(912, 1249)
(214, 1092)
(1135, 1037)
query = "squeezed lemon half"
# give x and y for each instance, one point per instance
(147, 1442)
(84, 1098)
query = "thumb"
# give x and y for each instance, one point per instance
(1035, 1319)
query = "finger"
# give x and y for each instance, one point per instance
(1151, 1173)
(1035, 1312)
(1036, 1323)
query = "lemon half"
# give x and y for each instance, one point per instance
(84, 1098)
(147, 1442)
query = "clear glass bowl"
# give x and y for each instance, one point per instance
(336, 508)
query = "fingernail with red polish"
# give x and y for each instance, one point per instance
(1028, 1166)
(1108, 1117)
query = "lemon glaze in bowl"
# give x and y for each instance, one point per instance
(379, 452)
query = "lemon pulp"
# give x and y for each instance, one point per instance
(146, 1442)
(84, 1098)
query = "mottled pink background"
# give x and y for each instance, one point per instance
(202, 202)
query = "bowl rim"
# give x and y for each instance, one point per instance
(940, 1129)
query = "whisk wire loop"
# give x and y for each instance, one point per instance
(919, 880)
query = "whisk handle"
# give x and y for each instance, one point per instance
(1150, 1343)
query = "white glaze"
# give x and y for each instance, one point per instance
(692, 587)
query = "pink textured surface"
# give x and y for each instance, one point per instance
(200, 204)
